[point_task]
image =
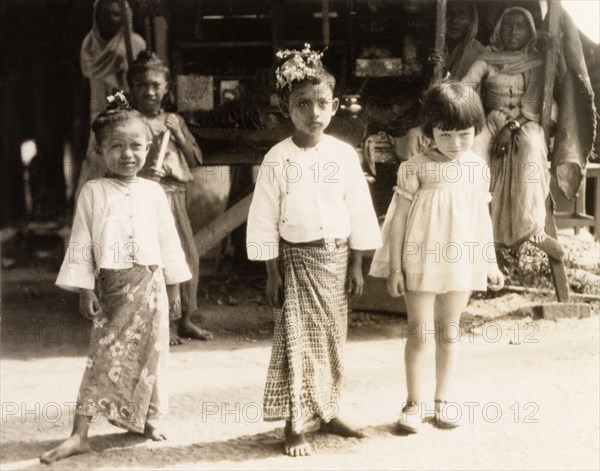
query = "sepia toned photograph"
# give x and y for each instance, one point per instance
(300, 234)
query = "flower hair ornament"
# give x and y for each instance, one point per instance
(117, 102)
(297, 66)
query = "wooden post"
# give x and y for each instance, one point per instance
(126, 31)
(161, 38)
(147, 32)
(277, 30)
(553, 25)
(325, 23)
(440, 37)
(557, 268)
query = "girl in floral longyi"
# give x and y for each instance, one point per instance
(125, 246)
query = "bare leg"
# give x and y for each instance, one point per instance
(188, 329)
(174, 339)
(295, 443)
(419, 306)
(448, 308)
(76, 444)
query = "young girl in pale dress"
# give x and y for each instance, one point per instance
(438, 242)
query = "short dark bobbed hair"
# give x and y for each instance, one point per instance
(450, 106)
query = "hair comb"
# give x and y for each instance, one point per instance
(117, 102)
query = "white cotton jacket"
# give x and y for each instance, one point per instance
(117, 225)
(303, 195)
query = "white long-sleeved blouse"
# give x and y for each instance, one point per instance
(303, 195)
(118, 224)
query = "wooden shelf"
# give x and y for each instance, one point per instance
(220, 44)
(265, 136)
(231, 146)
(199, 44)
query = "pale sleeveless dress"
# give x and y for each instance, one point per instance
(448, 243)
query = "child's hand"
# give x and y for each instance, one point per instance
(173, 125)
(275, 289)
(89, 306)
(173, 294)
(495, 279)
(356, 282)
(395, 284)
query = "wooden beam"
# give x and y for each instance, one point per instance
(557, 268)
(440, 36)
(325, 22)
(161, 38)
(147, 32)
(277, 19)
(126, 31)
(521, 289)
(209, 236)
(553, 25)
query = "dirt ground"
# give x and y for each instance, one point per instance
(527, 388)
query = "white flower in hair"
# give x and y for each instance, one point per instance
(117, 100)
(297, 65)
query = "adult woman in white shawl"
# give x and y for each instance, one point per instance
(511, 80)
(104, 63)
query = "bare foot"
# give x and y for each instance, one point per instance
(337, 427)
(538, 237)
(174, 339)
(74, 445)
(151, 432)
(549, 245)
(295, 443)
(192, 331)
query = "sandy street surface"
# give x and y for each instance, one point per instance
(527, 390)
